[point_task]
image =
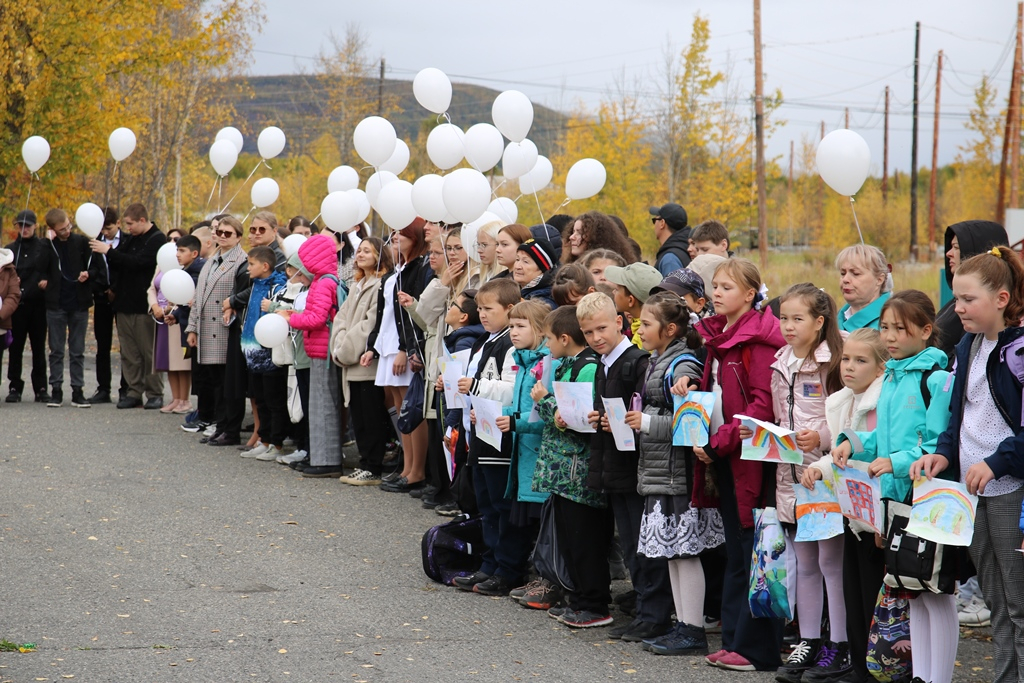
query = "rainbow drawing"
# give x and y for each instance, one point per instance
(691, 419)
(943, 512)
(770, 443)
(818, 514)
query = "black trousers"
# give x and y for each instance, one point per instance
(712, 561)
(584, 535)
(103, 328)
(28, 322)
(649, 575)
(437, 462)
(370, 422)
(236, 385)
(863, 572)
(269, 390)
(759, 640)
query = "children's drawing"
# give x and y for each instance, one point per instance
(451, 373)
(818, 515)
(860, 495)
(487, 414)
(575, 401)
(770, 443)
(943, 512)
(691, 418)
(625, 439)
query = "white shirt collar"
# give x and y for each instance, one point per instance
(609, 359)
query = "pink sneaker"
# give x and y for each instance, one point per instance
(713, 658)
(734, 662)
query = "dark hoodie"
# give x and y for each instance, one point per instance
(675, 245)
(974, 237)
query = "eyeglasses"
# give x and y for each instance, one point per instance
(655, 220)
(257, 230)
(454, 250)
(456, 305)
(225, 233)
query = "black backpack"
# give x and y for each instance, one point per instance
(453, 549)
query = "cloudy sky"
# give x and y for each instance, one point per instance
(824, 55)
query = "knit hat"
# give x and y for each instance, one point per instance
(541, 252)
(638, 278)
(682, 282)
(546, 231)
(705, 266)
(295, 262)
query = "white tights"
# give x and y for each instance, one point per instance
(814, 560)
(687, 578)
(934, 635)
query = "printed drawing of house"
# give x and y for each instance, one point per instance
(862, 501)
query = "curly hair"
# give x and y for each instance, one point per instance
(598, 231)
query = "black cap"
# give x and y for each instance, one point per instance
(674, 215)
(26, 217)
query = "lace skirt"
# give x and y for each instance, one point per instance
(674, 529)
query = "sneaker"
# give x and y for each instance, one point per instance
(300, 465)
(734, 661)
(644, 630)
(210, 430)
(466, 583)
(543, 596)
(257, 450)
(362, 478)
(42, 396)
(518, 593)
(831, 665)
(195, 427)
(681, 640)
(712, 625)
(78, 399)
(448, 509)
(56, 399)
(495, 585)
(271, 454)
(289, 458)
(585, 619)
(621, 629)
(99, 397)
(975, 613)
(713, 658)
(557, 613)
(14, 396)
(800, 659)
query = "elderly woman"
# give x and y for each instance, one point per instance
(866, 284)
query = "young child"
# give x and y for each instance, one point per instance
(596, 261)
(633, 284)
(855, 408)
(492, 371)
(805, 372)
(294, 294)
(572, 282)
(710, 237)
(981, 448)
(742, 342)
(672, 528)
(188, 249)
(909, 425)
(688, 285)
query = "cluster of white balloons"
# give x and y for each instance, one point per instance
(226, 147)
(175, 284)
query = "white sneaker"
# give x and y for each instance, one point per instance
(288, 458)
(975, 613)
(270, 454)
(361, 478)
(257, 450)
(210, 431)
(712, 625)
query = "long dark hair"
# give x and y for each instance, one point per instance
(670, 309)
(820, 304)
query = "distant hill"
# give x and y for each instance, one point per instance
(291, 102)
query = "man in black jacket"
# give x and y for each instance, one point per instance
(29, 320)
(673, 234)
(133, 264)
(103, 314)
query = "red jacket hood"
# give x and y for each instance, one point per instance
(319, 255)
(753, 327)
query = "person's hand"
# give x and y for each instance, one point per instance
(702, 455)
(366, 359)
(900, 645)
(406, 300)
(811, 475)
(169, 319)
(228, 314)
(594, 418)
(634, 418)
(879, 541)
(604, 423)
(472, 416)
(265, 305)
(439, 384)
(192, 339)
(745, 432)
(978, 477)
(538, 392)
(401, 360)
(158, 312)
(83, 276)
(504, 423)
(559, 422)
(110, 294)
(452, 273)
(807, 440)
(927, 466)
(99, 246)
(43, 283)
(682, 387)
(842, 453)
(285, 313)
(880, 466)
(465, 385)
(225, 305)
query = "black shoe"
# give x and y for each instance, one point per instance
(328, 471)
(831, 664)
(466, 583)
(56, 398)
(99, 397)
(129, 402)
(155, 403)
(194, 427)
(78, 399)
(799, 661)
(42, 396)
(14, 396)
(448, 509)
(393, 476)
(684, 639)
(427, 491)
(496, 585)
(300, 465)
(402, 485)
(248, 427)
(208, 439)
(223, 440)
(645, 630)
(620, 630)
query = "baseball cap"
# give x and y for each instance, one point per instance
(638, 278)
(26, 217)
(682, 282)
(674, 215)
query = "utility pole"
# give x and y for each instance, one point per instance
(1012, 115)
(375, 223)
(885, 152)
(762, 194)
(1015, 131)
(846, 123)
(913, 147)
(789, 193)
(934, 180)
(821, 189)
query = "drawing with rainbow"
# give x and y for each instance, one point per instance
(691, 419)
(943, 512)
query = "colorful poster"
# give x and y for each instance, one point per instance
(770, 443)
(451, 373)
(860, 495)
(691, 418)
(943, 512)
(487, 414)
(818, 515)
(575, 401)
(625, 439)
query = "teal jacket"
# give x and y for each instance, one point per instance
(526, 435)
(906, 428)
(865, 317)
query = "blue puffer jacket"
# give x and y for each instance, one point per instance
(526, 435)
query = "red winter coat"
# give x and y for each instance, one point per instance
(745, 353)
(319, 256)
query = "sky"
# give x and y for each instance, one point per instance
(823, 55)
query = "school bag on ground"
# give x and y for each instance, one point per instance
(453, 549)
(888, 655)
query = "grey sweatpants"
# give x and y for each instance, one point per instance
(324, 427)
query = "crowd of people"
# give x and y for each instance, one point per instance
(376, 323)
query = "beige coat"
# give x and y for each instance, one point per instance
(352, 325)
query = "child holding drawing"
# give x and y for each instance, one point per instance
(981, 447)
(672, 527)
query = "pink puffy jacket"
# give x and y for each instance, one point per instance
(319, 256)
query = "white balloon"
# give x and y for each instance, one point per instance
(339, 210)
(271, 141)
(844, 160)
(585, 179)
(375, 140)
(35, 151)
(466, 194)
(468, 235)
(89, 219)
(505, 209)
(485, 218)
(433, 90)
(343, 178)
(223, 156)
(427, 198)
(178, 288)
(484, 146)
(167, 258)
(362, 202)
(264, 192)
(512, 113)
(519, 159)
(394, 204)
(121, 143)
(375, 183)
(399, 160)
(271, 330)
(291, 244)
(233, 134)
(445, 146)
(538, 178)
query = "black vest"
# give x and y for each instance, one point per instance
(612, 470)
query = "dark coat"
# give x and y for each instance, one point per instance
(30, 258)
(542, 290)
(611, 470)
(80, 258)
(134, 263)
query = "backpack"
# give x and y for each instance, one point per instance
(453, 549)
(671, 372)
(341, 291)
(926, 393)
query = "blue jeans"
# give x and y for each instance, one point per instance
(67, 327)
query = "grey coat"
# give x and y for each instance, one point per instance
(216, 282)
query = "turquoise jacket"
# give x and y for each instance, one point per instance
(526, 435)
(907, 428)
(865, 317)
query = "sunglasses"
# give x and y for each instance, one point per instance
(655, 219)
(254, 230)
(224, 233)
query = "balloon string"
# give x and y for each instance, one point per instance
(210, 199)
(240, 187)
(247, 214)
(855, 221)
(315, 217)
(494, 192)
(517, 199)
(539, 210)
(31, 177)
(567, 200)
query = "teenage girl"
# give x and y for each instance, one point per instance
(981, 448)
